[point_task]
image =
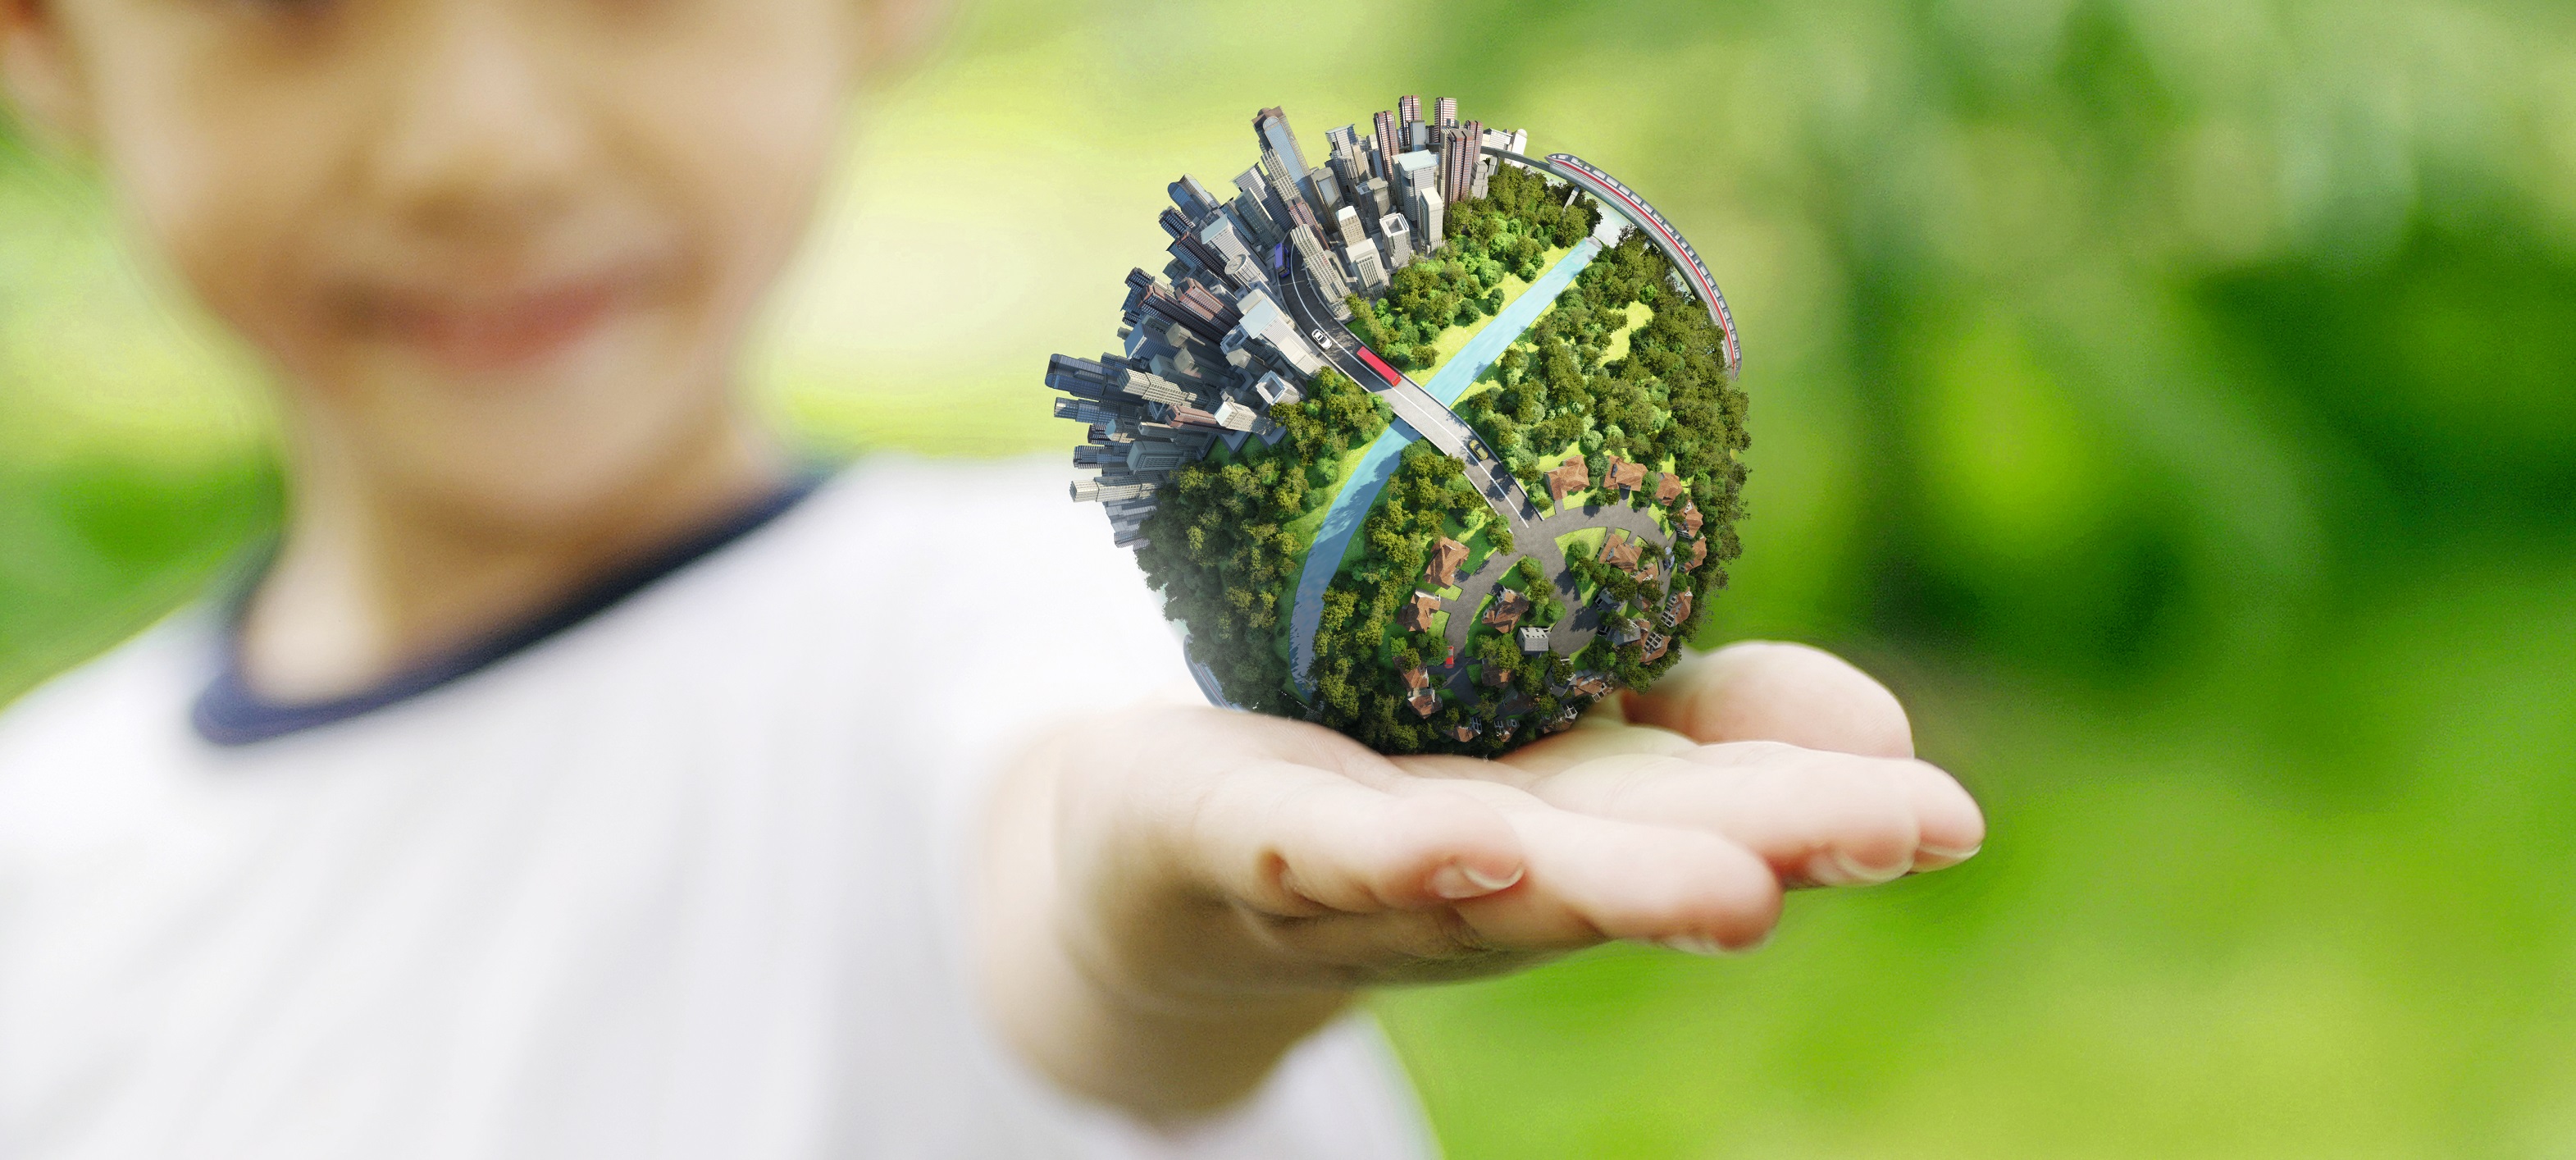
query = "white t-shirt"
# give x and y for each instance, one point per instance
(677, 880)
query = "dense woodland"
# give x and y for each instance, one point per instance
(1218, 545)
(1667, 396)
(1354, 692)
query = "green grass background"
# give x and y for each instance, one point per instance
(2174, 400)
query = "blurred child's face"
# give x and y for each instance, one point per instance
(502, 249)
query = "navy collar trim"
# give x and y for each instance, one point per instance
(229, 713)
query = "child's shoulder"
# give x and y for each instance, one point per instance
(129, 696)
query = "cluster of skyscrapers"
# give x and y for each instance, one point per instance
(1208, 350)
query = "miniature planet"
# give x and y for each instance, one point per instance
(1436, 443)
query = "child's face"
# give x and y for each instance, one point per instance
(502, 250)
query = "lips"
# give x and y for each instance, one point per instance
(491, 332)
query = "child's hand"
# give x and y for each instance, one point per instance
(1178, 894)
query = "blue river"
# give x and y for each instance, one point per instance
(1351, 505)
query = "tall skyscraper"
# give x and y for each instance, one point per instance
(1348, 165)
(1458, 165)
(1272, 125)
(1388, 145)
(1372, 199)
(1419, 172)
(1399, 241)
(1427, 209)
(1259, 209)
(1288, 185)
(1447, 111)
(1326, 187)
(1321, 267)
(1408, 126)
(1347, 222)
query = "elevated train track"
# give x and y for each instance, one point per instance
(1610, 191)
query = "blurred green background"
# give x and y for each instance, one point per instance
(2175, 400)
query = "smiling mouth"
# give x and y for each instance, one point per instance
(494, 333)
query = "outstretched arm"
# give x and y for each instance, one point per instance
(1176, 896)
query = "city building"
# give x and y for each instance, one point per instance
(1366, 269)
(1346, 222)
(1257, 209)
(1398, 235)
(1459, 161)
(1409, 123)
(1372, 199)
(1268, 329)
(1276, 137)
(1327, 187)
(1427, 210)
(1349, 165)
(1389, 142)
(1446, 112)
(1286, 184)
(1320, 266)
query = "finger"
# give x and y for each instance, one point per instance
(1289, 839)
(1829, 819)
(1764, 691)
(1594, 878)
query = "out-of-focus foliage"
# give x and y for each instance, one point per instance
(2175, 399)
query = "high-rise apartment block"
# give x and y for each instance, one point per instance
(1372, 199)
(1415, 172)
(1388, 144)
(1328, 189)
(1349, 164)
(1458, 162)
(1322, 269)
(1261, 207)
(1286, 184)
(1399, 241)
(1347, 222)
(1272, 127)
(1427, 209)
(1446, 112)
(1365, 266)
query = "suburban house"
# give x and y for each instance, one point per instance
(1668, 487)
(1621, 551)
(1424, 701)
(1447, 556)
(1623, 476)
(1416, 614)
(1507, 610)
(1568, 479)
(1690, 520)
(1533, 639)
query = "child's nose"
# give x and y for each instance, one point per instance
(477, 136)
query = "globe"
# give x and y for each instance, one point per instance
(1433, 442)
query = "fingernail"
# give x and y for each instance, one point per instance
(1455, 882)
(1709, 948)
(1835, 868)
(1943, 857)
